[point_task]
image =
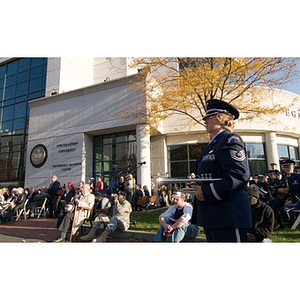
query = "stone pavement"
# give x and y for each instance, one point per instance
(44, 230)
(29, 230)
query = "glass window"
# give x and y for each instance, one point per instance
(108, 140)
(283, 151)
(11, 80)
(1, 84)
(20, 99)
(196, 150)
(22, 89)
(98, 167)
(6, 127)
(179, 169)
(36, 72)
(12, 68)
(35, 62)
(23, 76)
(182, 159)
(2, 151)
(2, 72)
(178, 152)
(132, 137)
(16, 148)
(8, 112)
(24, 64)
(9, 92)
(35, 85)
(255, 151)
(36, 95)
(291, 152)
(43, 83)
(257, 167)
(294, 153)
(107, 152)
(20, 110)
(8, 102)
(17, 139)
(19, 124)
(121, 138)
(112, 155)
(192, 166)
(5, 141)
(20, 81)
(98, 154)
(97, 144)
(121, 152)
(256, 158)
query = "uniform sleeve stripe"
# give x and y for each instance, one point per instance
(213, 190)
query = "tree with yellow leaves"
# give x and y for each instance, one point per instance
(183, 85)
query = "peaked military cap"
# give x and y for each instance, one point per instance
(215, 106)
(288, 162)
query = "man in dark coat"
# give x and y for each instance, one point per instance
(52, 197)
(262, 217)
(222, 206)
(135, 197)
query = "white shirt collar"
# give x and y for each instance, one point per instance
(216, 135)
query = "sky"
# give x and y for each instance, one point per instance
(294, 87)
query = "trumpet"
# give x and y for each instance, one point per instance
(203, 178)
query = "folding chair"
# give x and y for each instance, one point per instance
(297, 221)
(21, 211)
(88, 221)
(152, 201)
(39, 209)
(143, 202)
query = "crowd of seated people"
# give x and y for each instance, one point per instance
(281, 191)
(13, 199)
(277, 190)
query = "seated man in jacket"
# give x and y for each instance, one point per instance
(262, 217)
(19, 200)
(121, 210)
(175, 221)
(136, 196)
(84, 204)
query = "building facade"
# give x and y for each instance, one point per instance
(268, 139)
(20, 81)
(25, 79)
(91, 128)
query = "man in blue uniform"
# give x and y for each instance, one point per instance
(223, 207)
(292, 190)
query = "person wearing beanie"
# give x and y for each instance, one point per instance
(262, 217)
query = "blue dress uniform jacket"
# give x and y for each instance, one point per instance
(226, 201)
(293, 182)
